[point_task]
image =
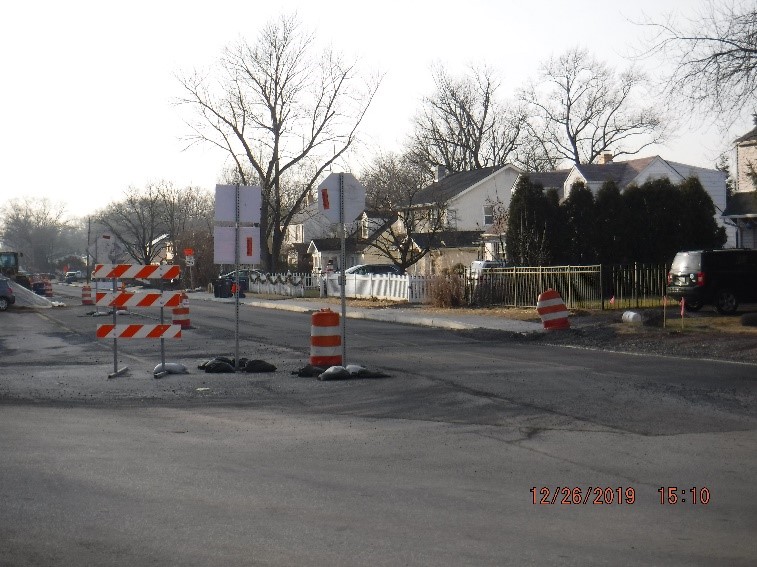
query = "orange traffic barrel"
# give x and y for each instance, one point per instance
(325, 339)
(552, 310)
(181, 314)
(86, 296)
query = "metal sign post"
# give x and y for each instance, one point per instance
(189, 260)
(350, 194)
(236, 278)
(342, 267)
(163, 371)
(116, 370)
(237, 221)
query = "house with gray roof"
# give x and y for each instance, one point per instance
(551, 180)
(468, 200)
(468, 195)
(639, 171)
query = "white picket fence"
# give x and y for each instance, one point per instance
(413, 289)
(293, 285)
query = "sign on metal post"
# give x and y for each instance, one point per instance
(341, 199)
(341, 186)
(236, 235)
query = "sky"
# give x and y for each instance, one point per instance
(88, 87)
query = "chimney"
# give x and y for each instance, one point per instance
(604, 159)
(440, 173)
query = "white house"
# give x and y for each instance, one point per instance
(639, 171)
(742, 206)
(471, 199)
(469, 196)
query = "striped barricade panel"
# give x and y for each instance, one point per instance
(325, 339)
(146, 299)
(110, 331)
(150, 271)
(552, 310)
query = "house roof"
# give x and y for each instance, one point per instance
(549, 179)
(751, 135)
(301, 247)
(452, 185)
(621, 172)
(742, 204)
(330, 244)
(448, 239)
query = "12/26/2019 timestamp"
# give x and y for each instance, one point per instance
(669, 495)
(580, 495)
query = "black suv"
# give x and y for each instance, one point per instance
(7, 297)
(723, 278)
(245, 276)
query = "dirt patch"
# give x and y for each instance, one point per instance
(704, 334)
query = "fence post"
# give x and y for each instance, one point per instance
(601, 288)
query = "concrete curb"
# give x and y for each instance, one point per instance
(453, 322)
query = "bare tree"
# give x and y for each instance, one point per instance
(463, 126)
(187, 214)
(137, 222)
(278, 109)
(393, 188)
(39, 229)
(714, 55)
(581, 108)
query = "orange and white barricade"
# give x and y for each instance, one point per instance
(552, 310)
(119, 299)
(325, 339)
(181, 314)
(110, 331)
(86, 296)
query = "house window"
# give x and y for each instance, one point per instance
(450, 219)
(364, 228)
(488, 214)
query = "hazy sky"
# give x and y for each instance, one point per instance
(87, 86)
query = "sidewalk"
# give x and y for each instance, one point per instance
(410, 315)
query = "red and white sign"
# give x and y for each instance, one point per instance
(149, 299)
(249, 245)
(150, 271)
(353, 196)
(110, 331)
(189, 257)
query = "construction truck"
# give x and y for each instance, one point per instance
(10, 267)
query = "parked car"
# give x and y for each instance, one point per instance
(477, 267)
(723, 278)
(72, 277)
(375, 269)
(7, 297)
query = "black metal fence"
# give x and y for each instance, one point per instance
(581, 287)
